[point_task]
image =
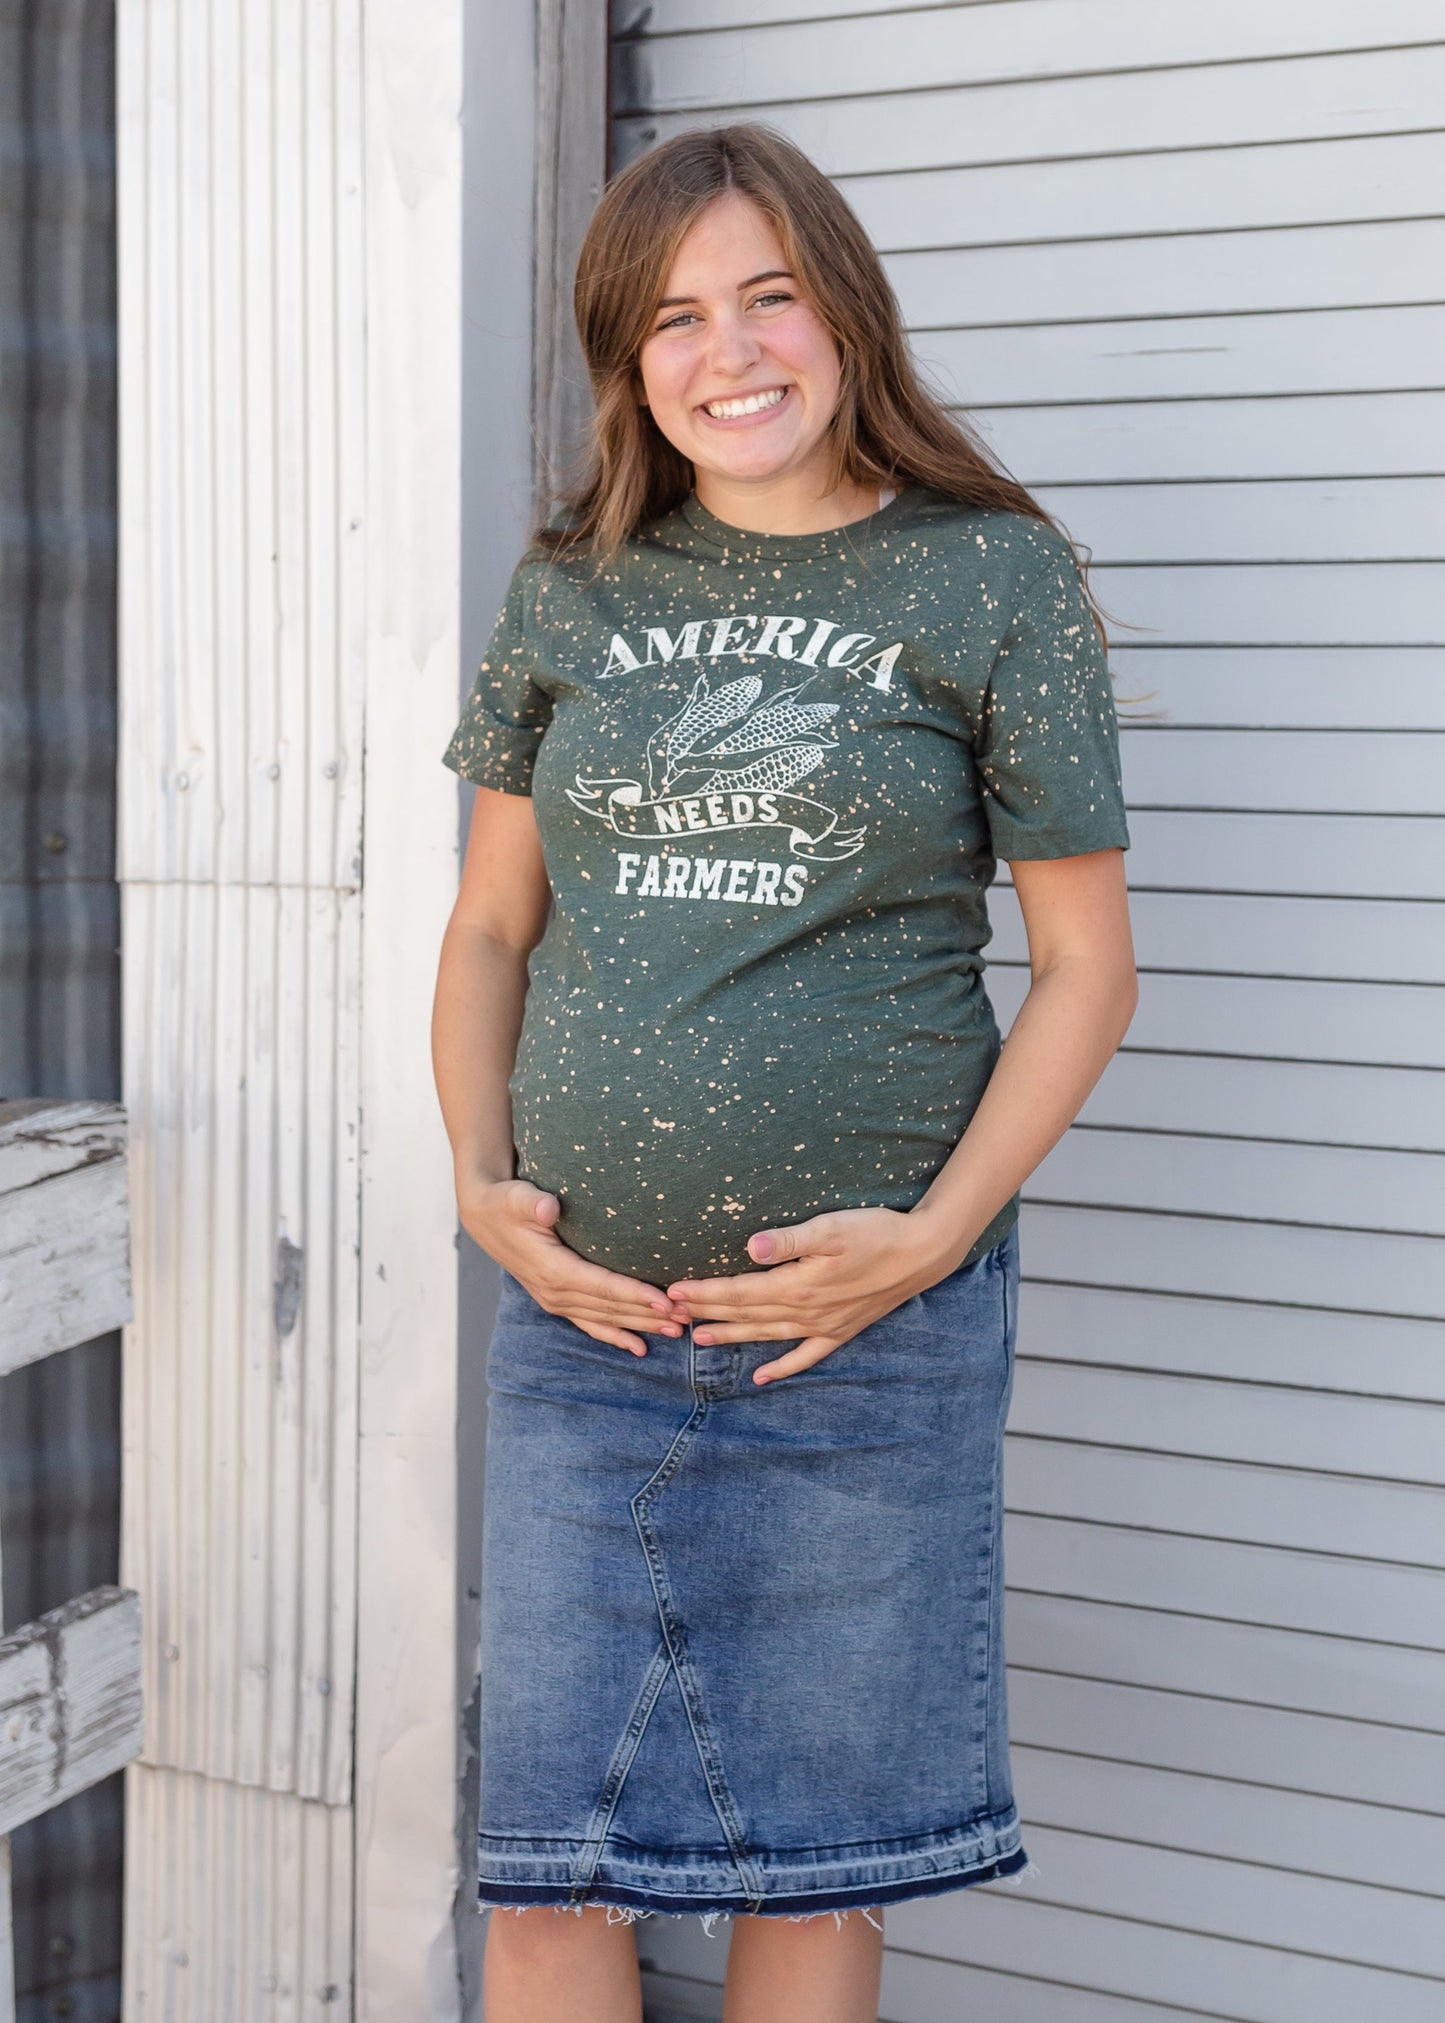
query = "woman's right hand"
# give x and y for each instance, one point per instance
(514, 1222)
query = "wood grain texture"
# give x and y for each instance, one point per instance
(70, 1702)
(64, 1227)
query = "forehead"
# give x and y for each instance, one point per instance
(728, 243)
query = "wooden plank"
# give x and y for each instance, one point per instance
(570, 169)
(917, 1989)
(1104, 197)
(1364, 349)
(1258, 933)
(1295, 267)
(1402, 1108)
(64, 1237)
(1335, 1187)
(1314, 1591)
(1390, 857)
(1241, 1764)
(1283, 687)
(1348, 521)
(1213, 1496)
(1218, 1257)
(1317, 1917)
(1138, 1645)
(1361, 1355)
(70, 1701)
(1138, 113)
(1284, 604)
(1317, 435)
(1128, 1957)
(1274, 1018)
(742, 60)
(1392, 1846)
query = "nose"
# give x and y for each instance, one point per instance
(734, 349)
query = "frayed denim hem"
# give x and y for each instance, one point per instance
(627, 1907)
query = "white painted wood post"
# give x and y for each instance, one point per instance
(70, 1696)
(408, 1722)
(290, 250)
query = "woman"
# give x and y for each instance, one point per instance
(764, 705)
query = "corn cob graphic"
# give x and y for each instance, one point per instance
(705, 712)
(775, 723)
(779, 770)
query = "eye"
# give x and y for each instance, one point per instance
(769, 295)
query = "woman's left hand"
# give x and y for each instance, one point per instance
(841, 1271)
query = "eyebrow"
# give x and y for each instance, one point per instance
(773, 274)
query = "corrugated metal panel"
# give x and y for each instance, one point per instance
(243, 429)
(1178, 264)
(59, 913)
(249, 1904)
(240, 1410)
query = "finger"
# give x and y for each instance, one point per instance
(815, 1238)
(545, 1209)
(747, 1292)
(695, 1293)
(611, 1290)
(813, 1350)
(708, 1332)
(609, 1313)
(618, 1337)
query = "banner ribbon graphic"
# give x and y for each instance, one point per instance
(813, 828)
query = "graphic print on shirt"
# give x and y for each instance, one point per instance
(698, 781)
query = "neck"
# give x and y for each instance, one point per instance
(784, 505)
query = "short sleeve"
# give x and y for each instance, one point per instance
(1048, 744)
(505, 715)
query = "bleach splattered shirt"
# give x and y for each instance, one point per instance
(772, 776)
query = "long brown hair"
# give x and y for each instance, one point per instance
(888, 428)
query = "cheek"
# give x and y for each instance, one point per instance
(663, 379)
(808, 350)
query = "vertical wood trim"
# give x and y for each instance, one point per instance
(407, 1719)
(571, 170)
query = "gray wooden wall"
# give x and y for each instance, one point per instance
(1180, 264)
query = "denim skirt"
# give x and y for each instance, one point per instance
(742, 1645)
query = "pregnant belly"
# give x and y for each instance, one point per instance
(664, 1172)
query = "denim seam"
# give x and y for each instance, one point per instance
(649, 1693)
(703, 1742)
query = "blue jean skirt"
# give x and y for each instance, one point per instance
(742, 1645)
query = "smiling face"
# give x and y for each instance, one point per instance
(734, 328)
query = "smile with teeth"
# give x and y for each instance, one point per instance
(726, 410)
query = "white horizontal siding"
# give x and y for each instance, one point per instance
(1178, 266)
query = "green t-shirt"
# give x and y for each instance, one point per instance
(772, 775)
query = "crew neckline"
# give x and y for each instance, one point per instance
(722, 534)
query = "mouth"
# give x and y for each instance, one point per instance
(740, 410)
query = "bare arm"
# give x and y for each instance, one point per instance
(498, 919)
(1082, 996)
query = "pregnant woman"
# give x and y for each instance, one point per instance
(795, 665)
